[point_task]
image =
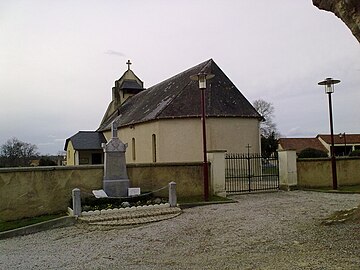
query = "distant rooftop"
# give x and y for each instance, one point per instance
(340, 139)
(86, 140)
(299, 144)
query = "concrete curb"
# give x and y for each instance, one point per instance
(38, 227)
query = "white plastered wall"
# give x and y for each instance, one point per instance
(180, 140)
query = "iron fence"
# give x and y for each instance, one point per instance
(251, 172)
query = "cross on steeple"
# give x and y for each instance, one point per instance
(128, 63)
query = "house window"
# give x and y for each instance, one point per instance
(96, 158)
(83, 161)
(133, 149)
(154, 147)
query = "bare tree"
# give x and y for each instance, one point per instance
(15, 153)
(268, 130)
(266, 110)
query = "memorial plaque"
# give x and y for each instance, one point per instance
(133, 192)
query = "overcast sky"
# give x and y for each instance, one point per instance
(59, 60)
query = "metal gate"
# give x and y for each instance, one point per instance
(251, 172)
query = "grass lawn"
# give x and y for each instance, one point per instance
(9, 225)
(349, 189)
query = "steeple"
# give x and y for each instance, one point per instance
(128, 85)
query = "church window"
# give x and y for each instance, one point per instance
(133, 149)
(154, 147)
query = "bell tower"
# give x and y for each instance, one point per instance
(128, 85)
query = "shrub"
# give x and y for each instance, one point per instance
(47, 162)
(312, 153)
(355, 153)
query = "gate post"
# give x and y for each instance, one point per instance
(287, 169)
(217, 172)
(76, 201)
(172, 194)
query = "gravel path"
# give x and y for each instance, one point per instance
(279, 230)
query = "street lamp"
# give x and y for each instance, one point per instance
(201, 78)
(329, 89)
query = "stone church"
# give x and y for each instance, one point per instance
(163, 123)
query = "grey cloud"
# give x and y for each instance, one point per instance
(111, 52)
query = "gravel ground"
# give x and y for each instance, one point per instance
(279, 230)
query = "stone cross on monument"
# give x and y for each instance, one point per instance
(113, 130)
(115, 182)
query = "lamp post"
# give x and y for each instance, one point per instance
(329, 89)
(201, 78)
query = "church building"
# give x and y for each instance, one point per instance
(163, 123)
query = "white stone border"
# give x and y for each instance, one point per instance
(126, 209)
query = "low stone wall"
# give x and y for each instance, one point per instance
(316, 172)
(149, 177)
(28, 192)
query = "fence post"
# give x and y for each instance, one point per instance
(217, 172)
(287, 169)
(172, 194)
(76, 201)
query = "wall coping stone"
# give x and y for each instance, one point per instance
(327, 159)
(50, 168)
(100, 166)
(164, 164)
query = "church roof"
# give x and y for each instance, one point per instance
(130, 84)
(86, 140)
(179, 97)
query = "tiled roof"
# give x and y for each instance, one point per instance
(130, 84)
(350, 138)
(179, 97)
(300, 144)
(86, 140)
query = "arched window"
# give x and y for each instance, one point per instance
(133, 149)
(154, 147)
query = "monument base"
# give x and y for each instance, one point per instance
(116, 188)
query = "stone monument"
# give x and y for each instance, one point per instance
(115, 182)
